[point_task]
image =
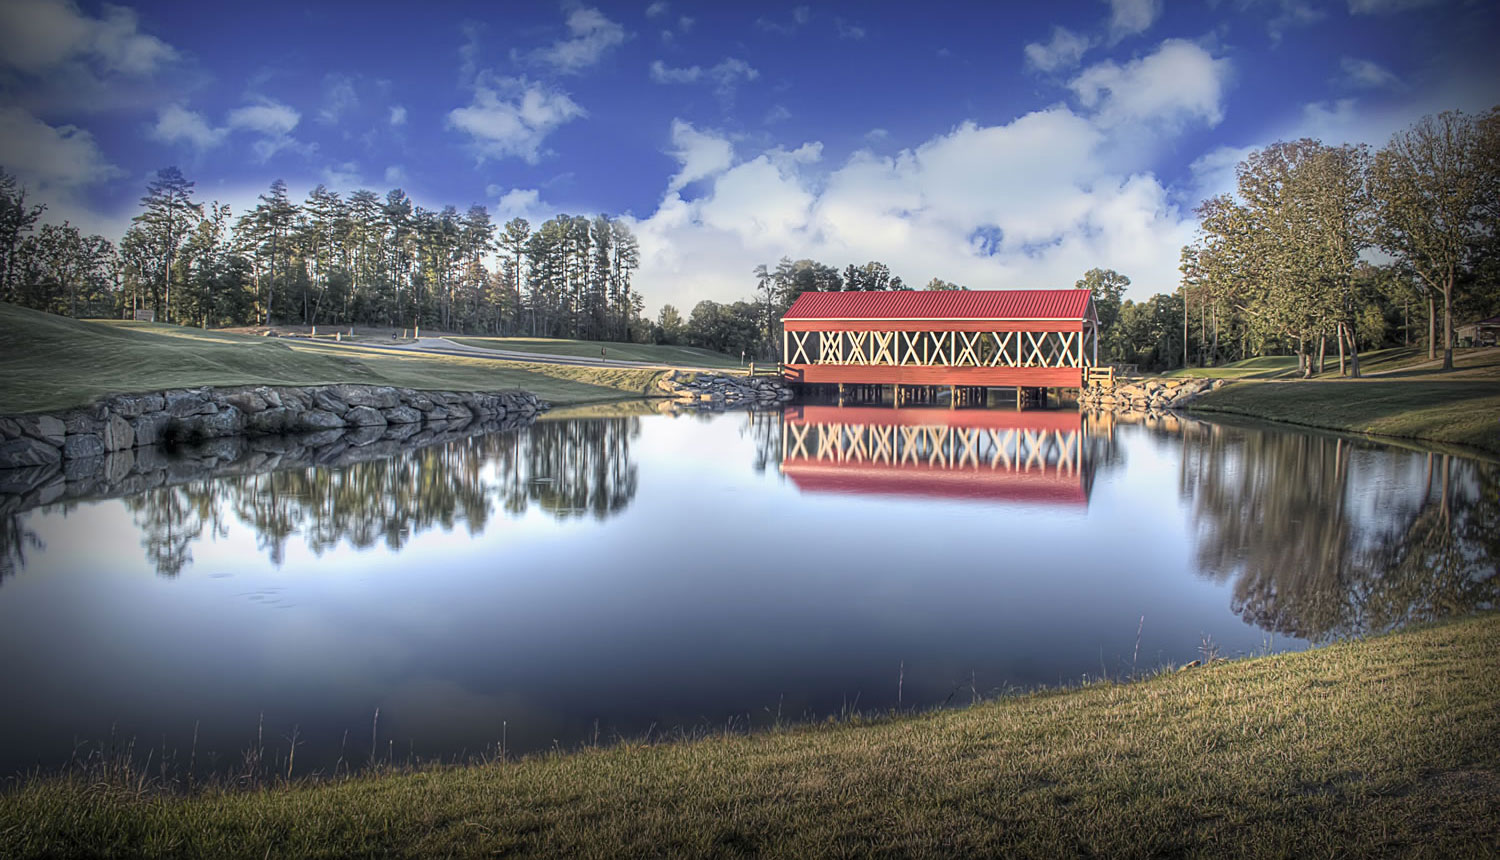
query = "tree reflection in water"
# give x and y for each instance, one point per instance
(566, 468)
(1325, 538)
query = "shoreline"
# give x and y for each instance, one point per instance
(1371, 746)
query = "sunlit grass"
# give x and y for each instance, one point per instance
(682, 356)
(1372, 748)
(52, 362)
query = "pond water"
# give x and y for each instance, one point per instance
(614, 577)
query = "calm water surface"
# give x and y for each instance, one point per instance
(651, 574)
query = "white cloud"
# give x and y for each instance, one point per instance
(593, 35)
(656, 10)
(339, 98)
(800, 16)
(1062, 52)
(272, 122)
(776, 113)
(702, 154)
(726, 76)
(1387, 7)
(661, 73)
(685, 24)
(1366, 75)
(1129, 17)
(1291, 14)
(175, 123)
(517, 203)
(50, 160)
(266, 116)
(847, 30)
(37, 36)
(512, 117)
(1179, 81)
(395, 174)
(398, 115)
(1041, 187)
(342, 177)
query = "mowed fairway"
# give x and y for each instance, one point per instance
(52, 362)
(1384, 747)
(679, 356)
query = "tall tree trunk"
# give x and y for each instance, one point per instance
(1448, 323)
(1353, 352)
(1431, 326)
(1338, 334)
(1322, 352)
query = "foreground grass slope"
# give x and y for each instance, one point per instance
(52, 362)
(679, 356)
(1385, 746)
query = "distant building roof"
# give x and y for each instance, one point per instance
(1067, 304)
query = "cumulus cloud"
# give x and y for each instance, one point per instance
(702, 154)
(592, 35)
(177, 124)
(50, 159)
(1129, 17)
(1178, 82)
(1040, 190)
(1064, 51)
(726, 76)
(656, 10)
(1366, 75)
(512, 117)
(37, 36)
(397, 115)
(395, 174)
(271, 122)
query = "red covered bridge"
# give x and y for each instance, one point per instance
(979, 338)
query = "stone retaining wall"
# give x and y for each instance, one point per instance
(721, 390)
(123, 422)
(136, 470)
(1147, 395)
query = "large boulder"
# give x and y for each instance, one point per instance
(26, 452)
(118, 435)
(319, 419)
(364, 416)
(80, 445)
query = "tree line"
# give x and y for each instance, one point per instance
(1323, 245)
(330, 260)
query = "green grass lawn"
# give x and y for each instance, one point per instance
(1382, 747)
(1456, 413)
(1285, 366)
(1404, 397)
(52, 362)
(681, 356)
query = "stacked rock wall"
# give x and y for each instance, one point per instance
(123, 422)
(1147, 395)
(715, 390)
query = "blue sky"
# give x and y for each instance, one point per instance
(992, 144)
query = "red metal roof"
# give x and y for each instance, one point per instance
(1072, 304)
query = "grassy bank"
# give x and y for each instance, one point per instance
(677, 356)
(1411, 401)
(52, 362)
(1385, 746)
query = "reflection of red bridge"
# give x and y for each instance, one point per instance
(968, 454)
